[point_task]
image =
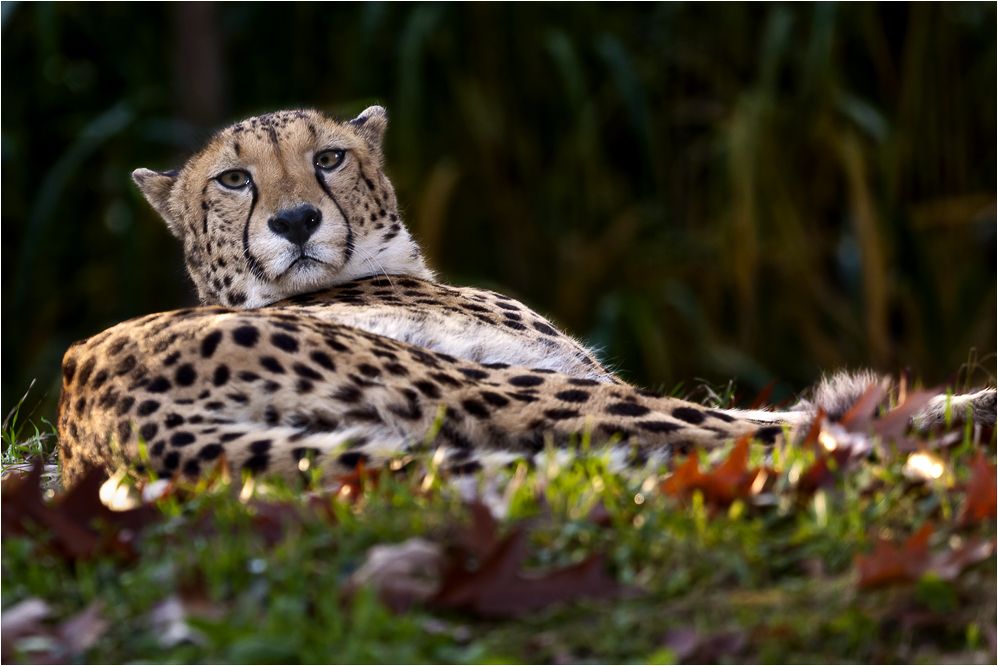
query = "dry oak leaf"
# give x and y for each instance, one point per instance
(982, 492)
(723, 485)
(79, 524)
(889, 564)
(497, 587)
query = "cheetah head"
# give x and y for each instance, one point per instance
(284, 204)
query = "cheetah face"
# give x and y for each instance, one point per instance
(284, 204)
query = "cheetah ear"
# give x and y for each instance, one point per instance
(156, 187)
(371, 124)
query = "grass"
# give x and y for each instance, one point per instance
(770, 581)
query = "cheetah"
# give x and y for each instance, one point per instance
(323, 335)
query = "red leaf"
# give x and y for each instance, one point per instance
(860, 415)
(727, 482)
(982, 492)
(498, 588)
(762, 399)
(889, 564)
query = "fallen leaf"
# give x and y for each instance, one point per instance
(982, 492)
(724, 484)
(484, 575)
(949, 564)
(762, 399)
(860, 415)
(889, 564)
(80, 526)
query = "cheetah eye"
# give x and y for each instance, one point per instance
(236, 179)
(328, 160)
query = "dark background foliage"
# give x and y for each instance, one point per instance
(702, 190)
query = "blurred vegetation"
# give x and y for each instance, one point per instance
(702, 190)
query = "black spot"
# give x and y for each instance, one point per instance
(410, 411)
(124, 432)
(472, 373)
(444, 378)
(68, 370)
(245, 335)
(124, 405)
(368, 370)
(116, 346)
(541, 327)
(627, 409)
(348, 394)
(248, 376)
(221, 375)
(125, 366)
(322, 359)
(260, 446)
(185, 375)
(157, 448)
(147, 407)
(303, 370)
(573, 395)
(496, 366)
(658, 426)
(648, 394)
(171, 461)
(148, 431)
(229, 436)
(99, 380)
(240, 398)
(523, 397)
(576, 381)
(688, 414)
(284, 341)
(303, 386)
(272, 364)
(192, 467)
(171, 359)
(397, 369)
(720, 415)
(173, 420)
(159, 384)
(352, 459)
(237, 298)
(526, 380)
(475, 408)
(210, 452)
(494, 399)
(209, 343)
(427, 388)
(768, 434)
(181, 439)
(560, 414)
(516, 326)
(257, 463)
(469, 467)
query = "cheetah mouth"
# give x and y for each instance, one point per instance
(301, 263)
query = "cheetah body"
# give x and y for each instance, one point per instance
(323, 336)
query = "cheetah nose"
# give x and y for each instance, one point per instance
(296, 224)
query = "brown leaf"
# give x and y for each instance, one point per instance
(762, 399)
(982, 492)
(80, 526)
(491, 584)
(894, 423)
(889, 564)
(860, 415)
